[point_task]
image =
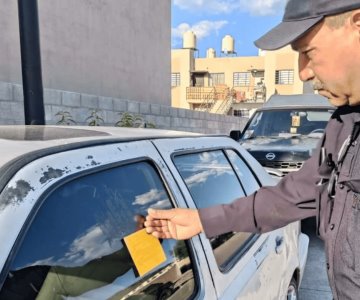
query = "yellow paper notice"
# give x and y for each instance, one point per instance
(145, 250)
(295, 122)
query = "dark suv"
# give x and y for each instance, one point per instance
(283, 133)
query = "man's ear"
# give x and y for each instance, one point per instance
(355, 19)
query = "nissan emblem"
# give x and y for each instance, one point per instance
(270, 156)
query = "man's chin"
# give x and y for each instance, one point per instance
(333, 99)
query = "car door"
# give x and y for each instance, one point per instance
(243, 265)
(66, 238)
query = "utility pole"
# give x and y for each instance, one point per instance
(31, 62)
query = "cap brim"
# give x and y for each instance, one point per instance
(285, 33)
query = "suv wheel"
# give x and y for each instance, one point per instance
(292, 291)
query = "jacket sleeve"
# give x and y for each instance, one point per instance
(293, 198)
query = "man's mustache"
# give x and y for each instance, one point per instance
(318, 86)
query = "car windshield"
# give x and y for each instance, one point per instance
(287, 122)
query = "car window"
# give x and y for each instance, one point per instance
(211, 181)
(74, 246)
(247, 178)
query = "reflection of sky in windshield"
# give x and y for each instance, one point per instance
(154, 198)
(80, 227)
(86, 219)
(209, 178)
(93, 244)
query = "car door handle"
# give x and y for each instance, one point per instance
(262, 252)
(279, 244)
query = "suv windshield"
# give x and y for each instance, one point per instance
(285, 122)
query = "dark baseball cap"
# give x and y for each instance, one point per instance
(299, 17)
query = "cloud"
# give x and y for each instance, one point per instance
(202, 29)
(212, 6)
(262, 7)
(153, 195)
(202, 173)
(216, 7)
(93, 244)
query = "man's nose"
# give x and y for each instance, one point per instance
(305, 71)
(306, 74)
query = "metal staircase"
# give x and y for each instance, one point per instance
(224, 106)
(217, 99)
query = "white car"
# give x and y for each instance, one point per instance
(69, 195)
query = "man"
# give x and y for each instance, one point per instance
(326, 33)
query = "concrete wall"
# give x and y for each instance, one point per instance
(110, 109)
(103, 47)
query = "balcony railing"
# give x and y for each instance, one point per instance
(219, 99)
(200, 94)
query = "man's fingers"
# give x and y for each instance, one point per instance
(155, 223)
(162, 235)
(159, 232)
(160, 214)
(151, 229)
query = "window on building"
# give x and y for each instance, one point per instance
(78, 234)
(211, 180)
(175, 79)
(241, 78)
(216, 79)
(284, 77)
(198, 80)
(241, 112)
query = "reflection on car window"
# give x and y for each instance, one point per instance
(275, 123)
(211, 180)
(73, 248)
(247, 178)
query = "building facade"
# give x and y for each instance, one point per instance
(229, 84)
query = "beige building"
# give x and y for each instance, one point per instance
(229, 84)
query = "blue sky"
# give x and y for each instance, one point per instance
(211, 20)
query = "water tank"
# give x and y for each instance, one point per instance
(189, 40)
(227, 45)
(210, 53)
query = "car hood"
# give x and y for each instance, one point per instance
(298, 148)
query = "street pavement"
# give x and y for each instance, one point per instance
(315, 285)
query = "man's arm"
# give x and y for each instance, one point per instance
(267, 209)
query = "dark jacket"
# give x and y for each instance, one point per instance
(304, 194)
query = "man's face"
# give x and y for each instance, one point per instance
(330, 59)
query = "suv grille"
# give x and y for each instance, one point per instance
(283, 165)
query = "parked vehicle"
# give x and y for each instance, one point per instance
(283, 133)
(69, 195)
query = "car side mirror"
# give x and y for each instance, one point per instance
(235, 134)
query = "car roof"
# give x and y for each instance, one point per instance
(296, 101)
(18, 141)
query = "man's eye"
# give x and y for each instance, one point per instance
(307, 52)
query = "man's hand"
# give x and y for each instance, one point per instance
(178, 223)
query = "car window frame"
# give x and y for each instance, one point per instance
(247, 165)
(235, 258)
(222, 281)
(92, 169)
